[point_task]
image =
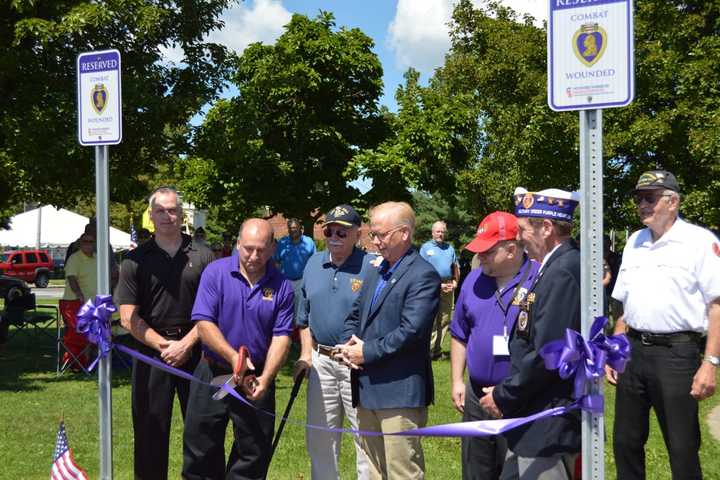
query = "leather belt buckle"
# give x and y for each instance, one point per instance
(646, 338)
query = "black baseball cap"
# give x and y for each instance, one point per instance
(343, 215)
(654, 179)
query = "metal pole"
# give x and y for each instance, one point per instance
(39, 227)
(591, 251)
(103, 288)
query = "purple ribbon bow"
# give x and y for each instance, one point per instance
(586, 359)
(94, 322)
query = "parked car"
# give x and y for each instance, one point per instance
(33, 266)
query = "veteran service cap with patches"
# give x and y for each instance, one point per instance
(343, 215)
(551, 203)
(654, 179)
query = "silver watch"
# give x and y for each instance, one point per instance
(713, 360)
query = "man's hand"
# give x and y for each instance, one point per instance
(301, 367)
(352, 352)
(487, 402)
(175, 352)
(703, 385)
(447, 287)
(458, 396)
(611, 375)
(255, 388)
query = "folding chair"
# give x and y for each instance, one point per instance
(70, 356)
(27, 316)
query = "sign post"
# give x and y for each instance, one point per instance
(100, 124)
(591, 67)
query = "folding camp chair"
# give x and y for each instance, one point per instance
(73, 351)
(28, 317)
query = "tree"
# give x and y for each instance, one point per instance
(673, 122)
(40, 159)
(432, 140)
(304, 107)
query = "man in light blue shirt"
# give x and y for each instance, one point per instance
(441, 255)
(330, 286)
(292, 253)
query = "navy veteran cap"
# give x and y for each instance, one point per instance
(657, 179)
(551, 203)
(343, 215)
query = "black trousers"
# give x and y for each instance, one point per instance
(205, 425)
(153, 393)
(482, 457)
(659, 377)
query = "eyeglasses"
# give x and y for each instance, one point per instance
(339, 232)
(383, 236)
(650, 198)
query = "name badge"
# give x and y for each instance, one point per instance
(500, 345)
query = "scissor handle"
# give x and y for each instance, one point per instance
(241, 365)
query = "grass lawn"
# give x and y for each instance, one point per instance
(33, 400)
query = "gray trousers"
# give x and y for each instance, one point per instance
(557, 467)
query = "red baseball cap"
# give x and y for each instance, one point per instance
(494, 228)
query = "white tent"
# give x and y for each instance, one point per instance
(59, 228)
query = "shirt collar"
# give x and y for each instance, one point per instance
(675, 234)
(270, 269)
(185, 245)
(355, 258)
(549, 254)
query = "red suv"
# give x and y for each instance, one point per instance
(33, 266)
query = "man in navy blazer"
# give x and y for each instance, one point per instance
(388, 348)
(545, 449)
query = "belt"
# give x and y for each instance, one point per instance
(216, 366)
(220, 367)
(174, 333)
(323, 349)
(664, 339)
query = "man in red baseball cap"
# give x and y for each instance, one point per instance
(485, 313)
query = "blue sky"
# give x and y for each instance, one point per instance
(406, 32)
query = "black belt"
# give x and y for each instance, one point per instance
(174, 333)
(664, 339)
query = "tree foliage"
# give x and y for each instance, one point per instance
(40, 158)
(674, 122)
(305, 105)
(432, 140)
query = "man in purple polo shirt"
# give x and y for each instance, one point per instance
(242, 300)
(484, 317)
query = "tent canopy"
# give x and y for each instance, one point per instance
(59, 228)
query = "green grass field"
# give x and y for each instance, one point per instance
(32, 400)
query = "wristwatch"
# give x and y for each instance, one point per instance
(712, 360)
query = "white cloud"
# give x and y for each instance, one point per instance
(419, 37)
(249, 22)
(245, 23)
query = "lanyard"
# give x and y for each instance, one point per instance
(505, 309)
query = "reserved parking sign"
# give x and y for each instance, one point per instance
(590, 54)
(99, 98)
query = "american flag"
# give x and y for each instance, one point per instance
(133, 237)
(64, 467)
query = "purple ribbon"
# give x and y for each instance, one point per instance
(586, 359)
(93, 321)
(565, 355)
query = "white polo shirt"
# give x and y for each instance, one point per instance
(666, 286)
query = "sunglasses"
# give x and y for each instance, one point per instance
(649, 198)
(339, 232)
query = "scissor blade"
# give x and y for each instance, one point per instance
(222, 393)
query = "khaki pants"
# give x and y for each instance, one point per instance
(393, 457)
(442, 322)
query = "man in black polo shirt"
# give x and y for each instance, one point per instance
(156, 292)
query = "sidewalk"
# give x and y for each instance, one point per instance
(713, 421)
